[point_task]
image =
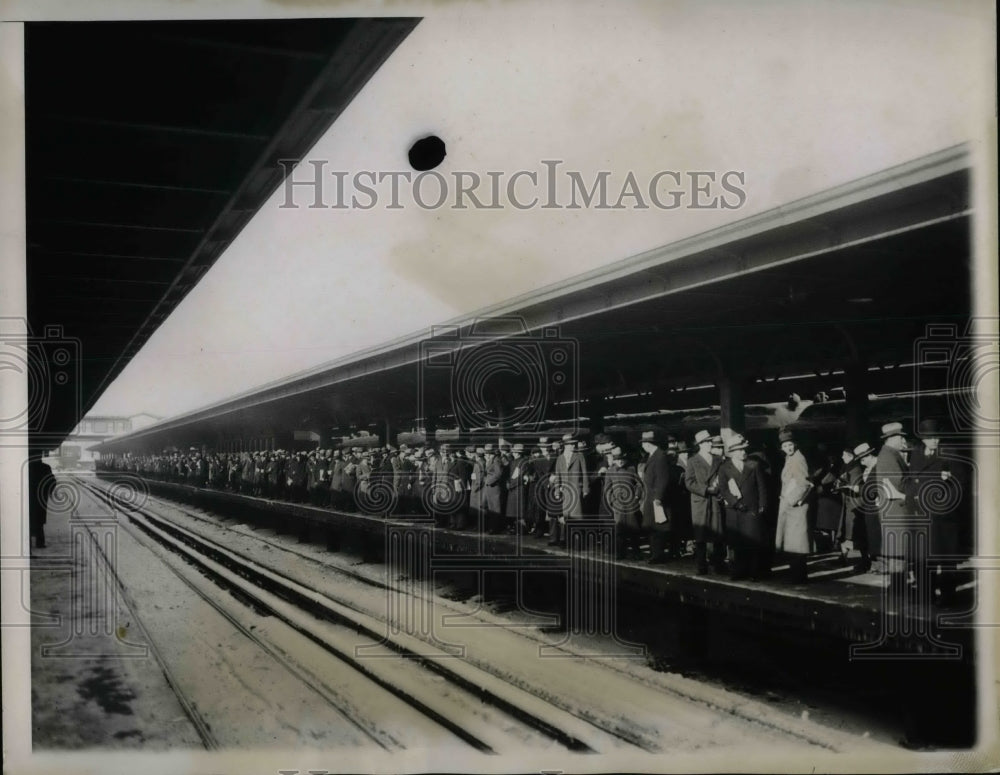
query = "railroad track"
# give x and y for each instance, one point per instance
(694, 695)
(310, 682)
(485, 711)
(188, 706)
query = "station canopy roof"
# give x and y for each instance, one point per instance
(150, 145)
(853, 275)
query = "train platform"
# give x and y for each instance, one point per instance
(837, 601)
(91, 677)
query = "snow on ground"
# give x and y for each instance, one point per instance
(247, 697)
(665, 711)
(92, 689)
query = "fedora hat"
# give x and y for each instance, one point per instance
(701, 437)
(718, 442)
(785, 434)
(892, 429)
(930, 428)
(863, 450)
(517, 448)
(654, 437)
(567, 437)
(736, 442)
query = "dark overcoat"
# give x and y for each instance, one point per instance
(571, 484)
(706, 515)
(745, 526)
(493, 482)
(656, 483)
(516, 488)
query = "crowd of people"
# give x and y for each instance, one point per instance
(737, 510)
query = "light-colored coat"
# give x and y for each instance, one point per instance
(792, 535)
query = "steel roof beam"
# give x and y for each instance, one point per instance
(164, 128)
(244, 48)
(119, 256)
(110, 225)
(137, 184)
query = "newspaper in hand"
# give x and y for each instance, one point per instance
(734, 490)
(659, 516)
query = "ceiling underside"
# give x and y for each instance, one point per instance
(150, 145)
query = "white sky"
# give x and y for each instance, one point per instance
(799, 96)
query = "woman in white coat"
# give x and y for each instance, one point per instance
(792, 536)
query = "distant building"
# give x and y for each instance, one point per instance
(141, 420)
(75, 452)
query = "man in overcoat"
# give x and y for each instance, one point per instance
(938, 488)
(461, 473)
(440, 485)
(701, 478)
(517, 488)
(792, 536)
(680, 500)
(570, 487)
(534, 471)
(892, 513)
(656, 481)
(493, 484)
(621, 498)
(40, 483)
(744, 489)
(337, 480)
(851, 532)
